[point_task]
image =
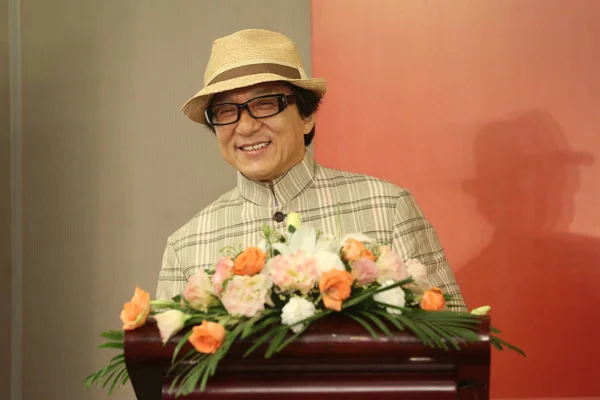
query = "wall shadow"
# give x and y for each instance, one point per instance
(540, 279)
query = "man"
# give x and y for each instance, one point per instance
(261, 106)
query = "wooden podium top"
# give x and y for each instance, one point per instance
(334, 353)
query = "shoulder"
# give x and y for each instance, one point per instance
(210, 212)
(361, 183)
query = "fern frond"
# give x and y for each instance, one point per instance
(377, 322)
(365, 325)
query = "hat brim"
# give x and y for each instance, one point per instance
(195, 106)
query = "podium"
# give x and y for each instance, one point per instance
(335, 358)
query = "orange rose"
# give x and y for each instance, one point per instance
(208, 337)
(136, 312)
(433, 300)
(354, 250)
(366, 253)
(335, 287)
(250, 262)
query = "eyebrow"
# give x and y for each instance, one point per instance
(261, 91)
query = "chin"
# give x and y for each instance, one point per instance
(257, 175)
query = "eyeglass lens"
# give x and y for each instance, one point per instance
(260, 107)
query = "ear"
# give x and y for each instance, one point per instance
(309, 123)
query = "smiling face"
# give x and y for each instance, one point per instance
(263, 149)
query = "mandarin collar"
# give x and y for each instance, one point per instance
(282, 190)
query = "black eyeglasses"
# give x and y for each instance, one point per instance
(258, 107)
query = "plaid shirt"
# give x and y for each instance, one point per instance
(325, 198)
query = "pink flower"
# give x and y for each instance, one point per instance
(365, 271)
(390, 265)
(419, 273)
(294, 271)
(224, 271)
(246, 295)
(198, 291)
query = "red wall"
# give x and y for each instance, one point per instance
(489, 112)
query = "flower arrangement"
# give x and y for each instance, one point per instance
(283, 284)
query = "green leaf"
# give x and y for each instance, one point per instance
(292, 338)
(213, 360)
(463, 333)
(90, 380)
(230, 338)
(352, 301)
(174, 383)
(386, 305)
(457, 329)
(197, 320)
(445, 335)
(181, 343)
(249, 324)
(391, 319)
(117, 379)
(418, 332)
(448, 316)
(260, 326)
(206, 373)
(118, 357)
(185, 363)
(276, 341)
(260, 341)
(210, 369)
(371, 292)
(377, 322)
(117, 336)
(113, 370)
(191, 378)
(365, 325)
(188, 361)
(435, 337)
(499, 343)
(112, 345)
(125, 378)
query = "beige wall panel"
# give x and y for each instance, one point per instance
(111, 166)
(5, 234)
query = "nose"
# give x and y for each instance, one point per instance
(246, 125)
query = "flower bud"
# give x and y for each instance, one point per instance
(293, 220)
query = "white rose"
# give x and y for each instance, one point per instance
(169, 323)
(393, 297)
(327, 260)
(297, 309)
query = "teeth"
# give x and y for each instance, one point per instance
(256, 146)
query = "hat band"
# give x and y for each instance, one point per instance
(253, 69)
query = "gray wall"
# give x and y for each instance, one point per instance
(5, 241)
(111, 166)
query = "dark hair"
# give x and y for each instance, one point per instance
(307, 102)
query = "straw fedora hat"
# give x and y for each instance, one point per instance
(246, 58)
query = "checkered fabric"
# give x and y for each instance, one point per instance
(326, 199)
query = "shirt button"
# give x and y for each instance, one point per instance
(279, 216)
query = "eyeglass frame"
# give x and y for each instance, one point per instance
(283, 100)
